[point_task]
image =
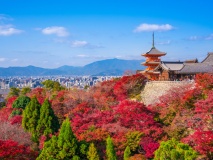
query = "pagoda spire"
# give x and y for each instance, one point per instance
(153, 40)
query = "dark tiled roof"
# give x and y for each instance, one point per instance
(208, 59)
(154, 51)
(194, 68)
(172, 66)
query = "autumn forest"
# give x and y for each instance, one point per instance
(108, 121)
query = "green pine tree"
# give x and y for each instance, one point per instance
(62, 147)
(50, 150)
(31, 116)
(67, 142)
(92, 153)
(82, 149)
(174, 150)
(48, 123)
(127, 153)
(21, 102)
(110, 151)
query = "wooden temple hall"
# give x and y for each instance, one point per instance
(173, 70)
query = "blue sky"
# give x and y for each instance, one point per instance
(69, 32)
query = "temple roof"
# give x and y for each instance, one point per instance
(196, 68)
(172, 66)
(189, 66)
(208, 59)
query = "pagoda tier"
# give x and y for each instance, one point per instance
(153, 52)
(152, 61)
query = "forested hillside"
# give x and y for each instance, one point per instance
(108, 121)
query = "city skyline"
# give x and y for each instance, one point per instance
(50, 34)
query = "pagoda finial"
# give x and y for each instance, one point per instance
(153, 40)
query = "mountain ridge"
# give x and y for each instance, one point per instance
(106, 67)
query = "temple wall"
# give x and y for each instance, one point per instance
(154, 89)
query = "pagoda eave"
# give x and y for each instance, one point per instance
(150, 63)
(153, 55)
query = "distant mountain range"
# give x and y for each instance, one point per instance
(109, 67)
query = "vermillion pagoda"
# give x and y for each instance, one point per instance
(152, 61)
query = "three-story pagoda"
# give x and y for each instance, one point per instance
(152, 61)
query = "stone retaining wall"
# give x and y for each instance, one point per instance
(155, 89)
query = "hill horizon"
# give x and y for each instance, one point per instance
(105, 67)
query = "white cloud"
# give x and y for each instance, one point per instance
(2, 59)
(79, 43)
(59, 31)
(84, 44)
(7, 30)
(153, 27)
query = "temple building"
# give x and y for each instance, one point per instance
(174, 70)
(152, 61)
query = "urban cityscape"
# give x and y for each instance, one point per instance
(67, 81)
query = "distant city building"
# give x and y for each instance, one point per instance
(68, 82)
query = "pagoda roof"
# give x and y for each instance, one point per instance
(154, 52)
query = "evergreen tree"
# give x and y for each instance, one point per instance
(92, 153)
(31, 117)
(50, 150)
(127, 153)
(52, 85)
(67, 142)
(62, 147)
(48, 123)
(110, 151)
(21, 102)
(82, 149)
(174, 150)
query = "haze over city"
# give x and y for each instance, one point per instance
(50, 34)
